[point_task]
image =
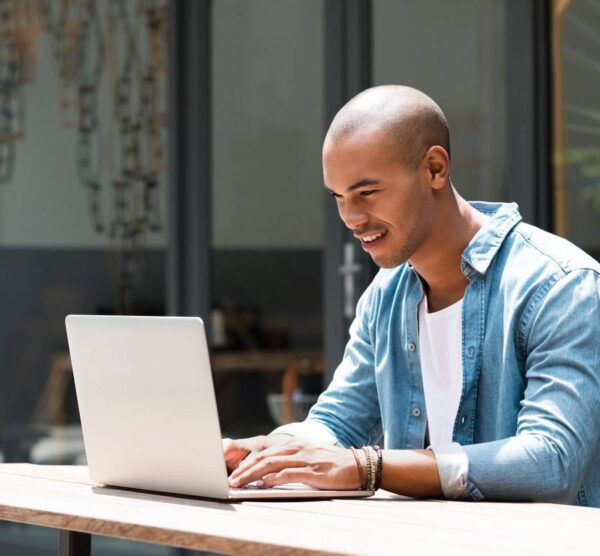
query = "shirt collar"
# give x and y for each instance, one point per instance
(487, 241)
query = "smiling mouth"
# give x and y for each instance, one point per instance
(372, 239)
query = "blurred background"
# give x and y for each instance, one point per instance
(162, 157)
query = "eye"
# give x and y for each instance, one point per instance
(367, 192)
(334, 195)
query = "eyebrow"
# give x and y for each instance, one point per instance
(357, 185)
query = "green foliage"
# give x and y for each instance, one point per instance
(587, 163)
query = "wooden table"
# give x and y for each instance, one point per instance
(63, 498)
(260, 360)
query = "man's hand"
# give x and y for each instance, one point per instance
(237, 450)
(295, 461)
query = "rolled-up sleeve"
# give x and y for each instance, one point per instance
(453, 468)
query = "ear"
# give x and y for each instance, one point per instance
(438, 166)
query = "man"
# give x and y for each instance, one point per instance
(476, 349)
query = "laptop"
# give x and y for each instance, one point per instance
(148, 410)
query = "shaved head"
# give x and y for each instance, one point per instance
(412, 120)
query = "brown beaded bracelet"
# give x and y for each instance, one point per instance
(360, 469)
(379, 472)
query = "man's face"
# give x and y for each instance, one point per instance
(385, 204)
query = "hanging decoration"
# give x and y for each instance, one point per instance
(20, 26)
(126, 48)
(113, 49)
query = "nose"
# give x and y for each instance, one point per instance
(351, 216)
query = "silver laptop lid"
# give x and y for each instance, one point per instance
(147, 403)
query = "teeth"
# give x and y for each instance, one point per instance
(368, 239)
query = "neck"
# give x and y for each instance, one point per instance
(438, 259)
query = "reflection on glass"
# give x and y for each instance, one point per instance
(576, 74)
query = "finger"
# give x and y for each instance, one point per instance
(243, 465)
(252, 444)
(253, 459)
(233, 453)
(261, 469)
(248, 473)
(238, 450)
(290, 475)
(234, 459)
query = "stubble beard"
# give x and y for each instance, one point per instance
(402, 255)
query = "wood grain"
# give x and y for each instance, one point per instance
(62, 497)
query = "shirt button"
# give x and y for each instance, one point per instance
(416, 412)
(411, 347)
(462, 420)
(471, 351)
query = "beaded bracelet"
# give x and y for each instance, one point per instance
(370, 468)
(379, 467)
(371, 480)
(374, 464)
(360, 469)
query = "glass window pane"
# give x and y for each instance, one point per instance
(82, 204)
(267, 206)
(460, 62)
(576, 74)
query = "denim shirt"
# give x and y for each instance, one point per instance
(528, 421)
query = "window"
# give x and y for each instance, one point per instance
(576, 119)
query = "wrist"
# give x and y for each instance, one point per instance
(411, 473)
(369, 466)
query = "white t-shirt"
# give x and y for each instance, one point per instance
(440, 340)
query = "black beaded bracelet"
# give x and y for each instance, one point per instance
(379, 472)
